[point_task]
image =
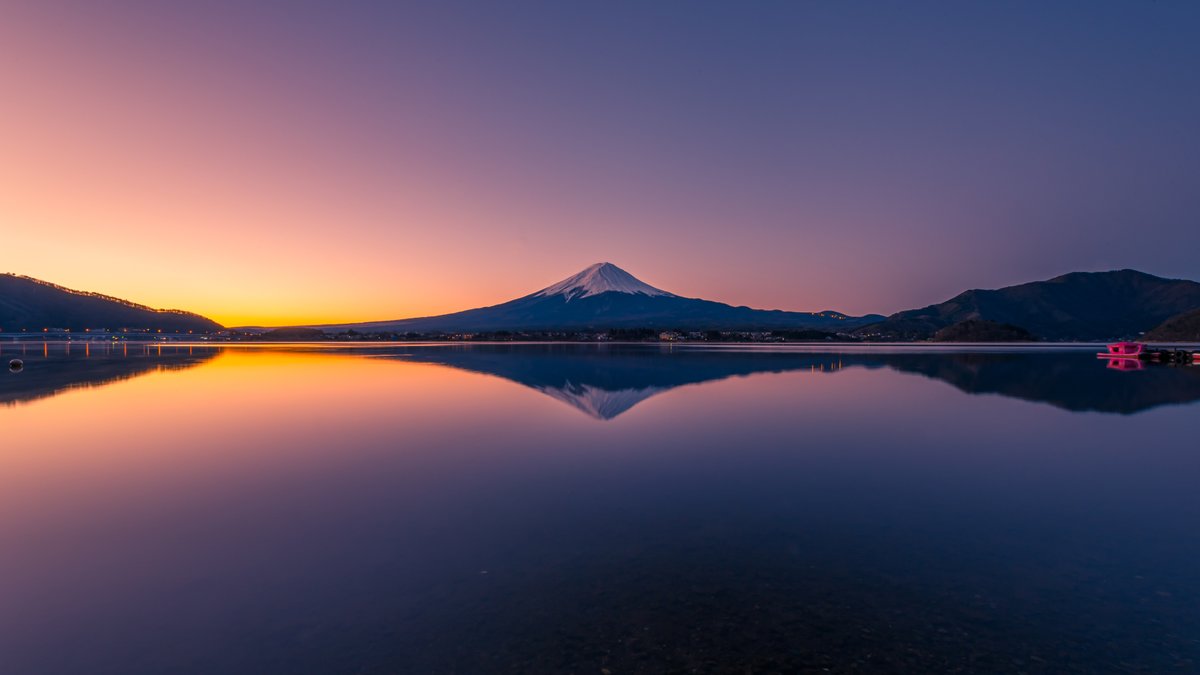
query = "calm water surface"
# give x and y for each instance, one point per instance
(593, 509)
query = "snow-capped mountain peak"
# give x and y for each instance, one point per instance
(601, 278)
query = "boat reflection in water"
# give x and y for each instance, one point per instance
(1125, 364)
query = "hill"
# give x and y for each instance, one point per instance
(32, 305)
(976, 330)
(1182, 328)
(1076, 306)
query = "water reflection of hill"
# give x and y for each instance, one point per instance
(1072, 381)
(58, 368)
(604, 382)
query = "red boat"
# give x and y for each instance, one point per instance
(1124, 350)
(1136, 352)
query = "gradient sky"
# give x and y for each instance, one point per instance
(291, 162)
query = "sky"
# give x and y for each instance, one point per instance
(285, 161)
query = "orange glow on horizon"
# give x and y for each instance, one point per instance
(151, 169)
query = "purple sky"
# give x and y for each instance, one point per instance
(297, 161)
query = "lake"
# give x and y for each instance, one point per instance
(600, 509)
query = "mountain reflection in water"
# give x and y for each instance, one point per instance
(55, 368)
(605, 381)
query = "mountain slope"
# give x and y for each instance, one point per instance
(1076, 306)
(1181, 328)
(978, 330)
(30, 304)
(605, 296)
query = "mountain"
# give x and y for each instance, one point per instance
(1076, 306)
(605, 296)
(1182, 328)
(30, 304)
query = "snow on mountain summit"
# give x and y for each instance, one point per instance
(601, 278)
